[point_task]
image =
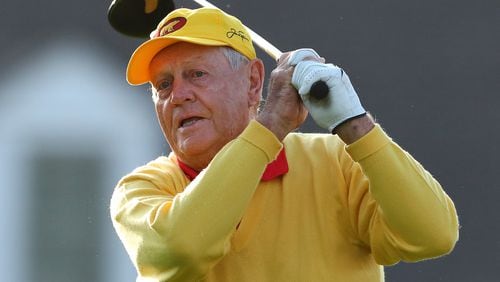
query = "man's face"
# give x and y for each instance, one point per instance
(201, 102)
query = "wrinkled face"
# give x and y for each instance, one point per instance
(201, 102)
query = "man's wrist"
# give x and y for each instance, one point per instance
(274, 127)
(354, 128)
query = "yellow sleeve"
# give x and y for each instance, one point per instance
(406, 215)
(179, 235)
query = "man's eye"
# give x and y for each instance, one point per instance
(163, 85)
(198, 74)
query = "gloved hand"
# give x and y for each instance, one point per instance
(341, 103)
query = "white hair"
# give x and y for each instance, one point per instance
(235, 58)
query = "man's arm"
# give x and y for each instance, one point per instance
(403, 214)
(179, 236)
(352, 130)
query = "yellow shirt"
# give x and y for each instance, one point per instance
(338, 214)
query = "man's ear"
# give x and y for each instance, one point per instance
(256, 74)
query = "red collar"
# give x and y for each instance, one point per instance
(274, 169)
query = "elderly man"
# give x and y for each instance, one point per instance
(242, 197)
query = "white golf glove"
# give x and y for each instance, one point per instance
(341, 103)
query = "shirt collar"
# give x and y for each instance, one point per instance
(274, 169)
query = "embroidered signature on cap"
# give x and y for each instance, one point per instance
(232, 32)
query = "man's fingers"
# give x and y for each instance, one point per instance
(305, 54)
(283, 59)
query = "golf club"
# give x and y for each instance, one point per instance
(139, 17)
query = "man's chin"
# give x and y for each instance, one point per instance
(193, 146)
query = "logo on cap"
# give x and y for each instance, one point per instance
(172, 25)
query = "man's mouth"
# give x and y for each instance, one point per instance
(189, 121)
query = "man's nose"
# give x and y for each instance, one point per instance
(182, 92)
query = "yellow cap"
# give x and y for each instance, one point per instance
(204, 26)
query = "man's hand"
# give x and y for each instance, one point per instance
(283, 111)
(340, 111)
(341, 103)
